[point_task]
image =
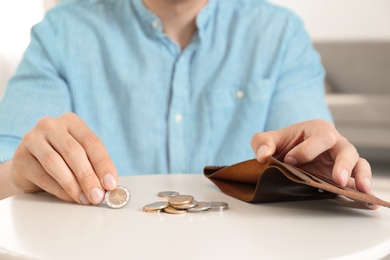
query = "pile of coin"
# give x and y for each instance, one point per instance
(179, 204)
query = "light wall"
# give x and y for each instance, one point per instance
(341, 20)
(16, 19)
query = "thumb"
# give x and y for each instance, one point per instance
(264, 144)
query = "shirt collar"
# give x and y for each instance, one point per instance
(204, 16)
(153, 23)
(147, 18)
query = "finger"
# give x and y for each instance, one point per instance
(264, 145)
(306, 151)
(37, 176)
(363, 175)
(95, 150)
(76, 159)
(54, 165)
(346, 157)
(277, 143)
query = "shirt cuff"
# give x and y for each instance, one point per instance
(8, 146)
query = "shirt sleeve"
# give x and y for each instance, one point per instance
(36, 90)
(299, 95)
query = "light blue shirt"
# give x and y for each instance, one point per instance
(250, 67)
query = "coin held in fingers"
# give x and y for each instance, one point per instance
(117, 198)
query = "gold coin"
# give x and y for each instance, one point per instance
(117, 198)
(180, 200)
(159, 205)
(167, 194)
(172, 210)
(152, 211)
(186, 206)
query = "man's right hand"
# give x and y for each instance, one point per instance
(65, 158)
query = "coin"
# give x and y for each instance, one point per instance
(194, 203)
(218, 206)
(180, 200)
(202, 206)
(117, 198)
(167, 194)
(155, 206)
(179, 204)
(172, 210)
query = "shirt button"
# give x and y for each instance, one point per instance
(240, 94)
(178, 118)
(155, 24)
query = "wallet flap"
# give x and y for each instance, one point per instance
(252, 181)
(273, 181)
(322, 183)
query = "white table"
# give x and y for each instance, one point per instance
(43, 227)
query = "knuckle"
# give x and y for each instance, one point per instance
(257, 137)
(86, 176)
(306, 151)
(365, 163)
(102, 163)
(329, 138)
(46, 123)
(49, 160)
(19, 155)
(254, 140)
(356, 153)
(92, 141)
(29, 137)
(70, 148)
(71, 187)
(69, 116)
(323, 123)
(64, 195)
(43, 180)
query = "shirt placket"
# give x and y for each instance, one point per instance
(177, 114)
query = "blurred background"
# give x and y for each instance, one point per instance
(352, 36)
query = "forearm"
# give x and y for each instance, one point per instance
(7, 187)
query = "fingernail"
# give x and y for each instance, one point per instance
(109, 182)
(291, 160)
(261, 151)
(344, 177)
(97, 195)
(84, 199)
(367, 181)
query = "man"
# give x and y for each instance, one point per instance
(167, 86)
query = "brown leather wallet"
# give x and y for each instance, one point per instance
(275, 181)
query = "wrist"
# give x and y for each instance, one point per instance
(7, 186)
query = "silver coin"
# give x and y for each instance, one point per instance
(202, 206)
(218, 206)
(117, 198)
(155, 206)
(194, 203)
(167, 194)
